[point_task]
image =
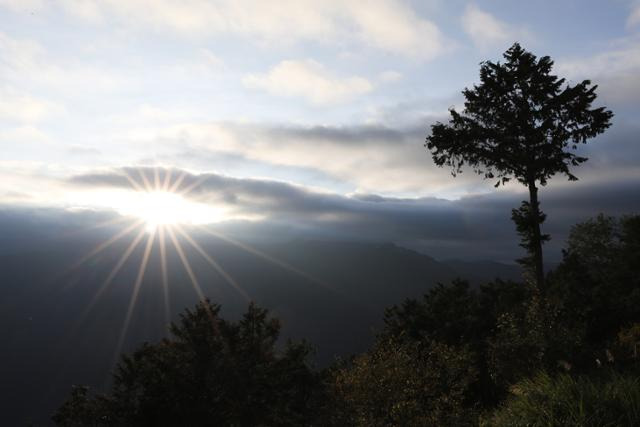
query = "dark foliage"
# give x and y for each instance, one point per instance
(525, 341)
(520, 123)
(598, 281)
(210, 372)
(461, 316)
(512, 330)
(503, 353)
(526, 225)
(607, 399)
(456, 313)
(419, 383)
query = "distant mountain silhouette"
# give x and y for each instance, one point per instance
(331, 293)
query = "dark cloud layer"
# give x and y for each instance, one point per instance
(470, 227)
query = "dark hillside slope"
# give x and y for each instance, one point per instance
(57, 333)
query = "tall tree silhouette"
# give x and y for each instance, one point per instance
(520, 123)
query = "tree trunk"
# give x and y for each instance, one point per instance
(537, 236)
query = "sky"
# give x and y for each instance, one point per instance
(304, 115)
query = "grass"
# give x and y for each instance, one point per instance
(610, 399)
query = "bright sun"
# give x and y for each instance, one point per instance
(162, 208)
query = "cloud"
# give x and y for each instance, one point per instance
(466, 227)
(390, 76)
(634, 17)
(486, 30)
(366, 158)
(27, 62)
(20, 135)
(393, 26)
(23, 5)
(388, 25)
(42, 79)
(79, 150)
(18, 54)
(308, 79)
(213, 61)
(274, 200)
(621, 56)
(615, 70)
(23, 108)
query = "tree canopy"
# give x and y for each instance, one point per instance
(521, 122)
(210, 372)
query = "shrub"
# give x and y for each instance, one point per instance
(406, 384)
(609, 399)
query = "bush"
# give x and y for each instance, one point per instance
(527, 342)
(406, 384)
(598, 281)
(465, 317)
(609, 399)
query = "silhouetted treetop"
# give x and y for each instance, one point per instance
(519, 121)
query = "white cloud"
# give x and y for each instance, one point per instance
(87, 10)
(622, 56)
(360, 158)
(390, 76)
(24, 108)
(310, 80)
(486, 30)
(388, 25)
(32, 67)
(18, 54)
(634, 16)
(22, 135)
(23, 5)
(213, 61)
(393, 26)
(24, 61)
(615, 70)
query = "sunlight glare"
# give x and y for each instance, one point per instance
(162, 208)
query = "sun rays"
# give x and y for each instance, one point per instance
(160, 221)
